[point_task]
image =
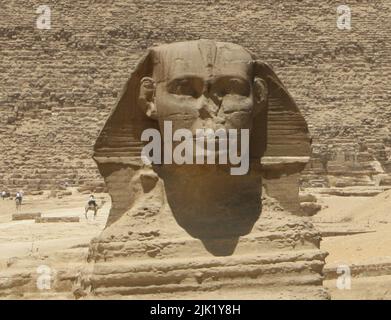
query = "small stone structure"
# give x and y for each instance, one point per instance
(26, 216)
(57, 219)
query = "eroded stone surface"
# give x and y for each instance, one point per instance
(26, 216)
(56, 219)
(198, 228)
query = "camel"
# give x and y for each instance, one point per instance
(93, 208)
(5, 195)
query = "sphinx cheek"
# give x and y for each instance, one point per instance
(237, 112)
(239, 120)
(180, 111)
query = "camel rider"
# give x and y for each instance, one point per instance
(92, 201)
(19, 197)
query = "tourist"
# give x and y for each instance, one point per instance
(92, 201)
(19, 197)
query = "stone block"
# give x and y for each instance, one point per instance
(310, 208)
(26, 216)
(56, 219)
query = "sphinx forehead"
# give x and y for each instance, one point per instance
(203, 58)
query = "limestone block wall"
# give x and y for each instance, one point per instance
(58, 85)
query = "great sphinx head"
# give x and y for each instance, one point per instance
(203, 85)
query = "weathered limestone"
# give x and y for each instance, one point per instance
(310, 208)
(196, 228)
(26, 216)
(56, 219)
(347, 163)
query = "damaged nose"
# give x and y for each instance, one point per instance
(205, 112)
(209, 106)
(207, 109)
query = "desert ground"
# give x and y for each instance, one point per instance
(356, 232)
(62, 246)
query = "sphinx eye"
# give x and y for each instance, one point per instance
(184, 87)
(238, 87)
(232, 86)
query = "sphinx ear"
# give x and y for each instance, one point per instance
(146, 99)
(260, 94)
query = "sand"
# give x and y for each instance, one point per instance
(24, 245)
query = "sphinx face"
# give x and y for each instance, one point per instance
(204, 89)
(204, 85)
